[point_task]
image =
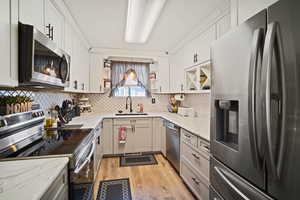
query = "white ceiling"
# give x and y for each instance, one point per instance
(103, 22)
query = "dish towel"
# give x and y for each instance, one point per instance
(122, 135)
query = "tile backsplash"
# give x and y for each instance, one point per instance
(45, 99)
(104, 103)
(200, 103)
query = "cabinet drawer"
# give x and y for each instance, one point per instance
(199, 161)
(195, 183)
(63, 194)
(129, 121)
(204, 147)
(189, 138)
(56, 187)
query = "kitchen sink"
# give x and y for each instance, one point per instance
(130, 114)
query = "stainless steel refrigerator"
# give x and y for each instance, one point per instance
(255, 118)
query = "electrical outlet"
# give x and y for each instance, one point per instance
(153, 100)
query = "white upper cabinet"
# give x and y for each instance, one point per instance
(68, 38)
(80, 67)
(32, 12)
(54, 23)
(44, 16)
(223, 25)
(5, 42)
(193, 53)
(163, 73)
(248, 8)
(48, 18)
(8, 41)
(202, 45)
(96, 71)
(177, 71)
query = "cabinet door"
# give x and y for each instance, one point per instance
(142, 136)
(223, 25)
(107, 136)
(56, 20)
(157, 131)
(163, 75)
(69, 31)
(85, 70)
(32, 12)
(203, 44)
(96, 70)
(129, 145)
(5, 42)
(177, 73)
(98, 149)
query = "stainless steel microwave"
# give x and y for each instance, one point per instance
(41, 62)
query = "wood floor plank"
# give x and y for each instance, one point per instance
(149, 182)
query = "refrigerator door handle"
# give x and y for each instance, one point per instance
(230, 184)
(254, 83)
(273, 43)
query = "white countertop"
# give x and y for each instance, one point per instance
(196, 125)
(28, 179)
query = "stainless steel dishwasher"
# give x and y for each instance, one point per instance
(173, 145)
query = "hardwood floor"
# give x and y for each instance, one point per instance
(149, 182)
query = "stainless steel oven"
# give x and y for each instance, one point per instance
(41, 62)
(23, 135)
(82, 176)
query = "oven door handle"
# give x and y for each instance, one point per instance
(77, 169)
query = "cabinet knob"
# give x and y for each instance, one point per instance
(196, 181)
(64, 179)
(52, 33)
(75, 85)
(197, 157)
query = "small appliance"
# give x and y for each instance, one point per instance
(41, 62)
(186, 111)
(22, 135)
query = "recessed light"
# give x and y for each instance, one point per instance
(141, 18)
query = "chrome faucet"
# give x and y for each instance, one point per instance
(130, 103)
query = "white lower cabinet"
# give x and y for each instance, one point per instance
(159, 129)
(138, 135)
(194, 164)
(58, 190)
(98, 153)
(107, 137)
(195, 182)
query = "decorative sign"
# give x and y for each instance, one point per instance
(18, 107)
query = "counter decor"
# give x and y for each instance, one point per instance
(14, 104)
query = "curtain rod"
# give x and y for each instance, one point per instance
(131, 59)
